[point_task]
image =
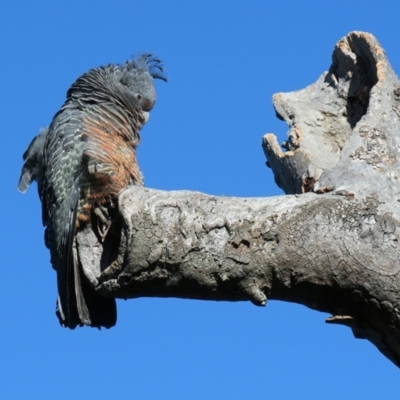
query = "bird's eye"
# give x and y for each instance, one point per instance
(139, 96)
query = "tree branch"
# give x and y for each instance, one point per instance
(334, 250)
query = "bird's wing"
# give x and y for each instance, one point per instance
(33, 162)
(61, 191)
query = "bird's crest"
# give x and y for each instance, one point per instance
(150, 63)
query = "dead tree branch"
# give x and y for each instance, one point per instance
(331, 244)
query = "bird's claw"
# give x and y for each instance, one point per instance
(103, 221)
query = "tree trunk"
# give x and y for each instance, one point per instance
(332, 243)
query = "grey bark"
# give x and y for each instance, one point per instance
(332, 243)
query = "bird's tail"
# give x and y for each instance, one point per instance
(78, 303)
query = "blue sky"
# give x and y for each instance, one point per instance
(224, 59)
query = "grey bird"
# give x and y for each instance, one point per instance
(81, 163)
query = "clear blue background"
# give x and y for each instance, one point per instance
(225, 59)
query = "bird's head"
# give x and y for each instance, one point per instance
(137, 76)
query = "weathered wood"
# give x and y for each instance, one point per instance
(334, 249)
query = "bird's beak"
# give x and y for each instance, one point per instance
(144, 116)
(148, 105)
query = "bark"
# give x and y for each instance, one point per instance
(332, 243)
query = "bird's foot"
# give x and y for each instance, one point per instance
(111, 272)
(103, 221)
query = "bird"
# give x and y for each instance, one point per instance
(81, 162)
